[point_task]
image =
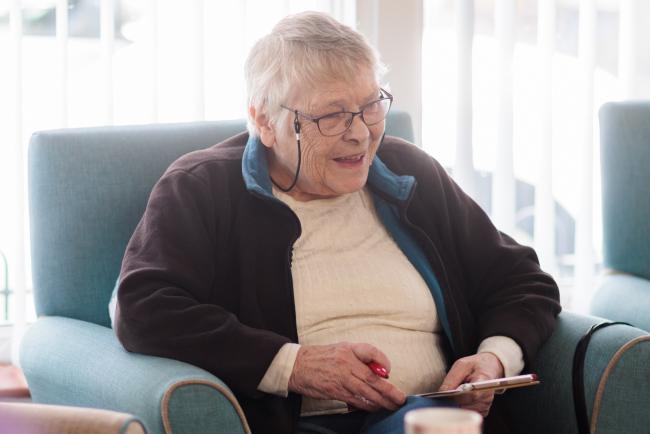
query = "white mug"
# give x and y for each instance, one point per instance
(442, 421)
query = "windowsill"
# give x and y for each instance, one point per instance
(12, 383)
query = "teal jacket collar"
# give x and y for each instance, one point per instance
(256, 174)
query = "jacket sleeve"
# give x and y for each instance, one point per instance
(507, 292)
(166, 293)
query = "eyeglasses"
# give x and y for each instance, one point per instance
(333, 124)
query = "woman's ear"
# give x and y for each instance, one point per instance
(264, 126)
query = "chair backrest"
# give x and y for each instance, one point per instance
(625, 163)
(88, 188)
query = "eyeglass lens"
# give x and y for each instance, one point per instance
(338, 123)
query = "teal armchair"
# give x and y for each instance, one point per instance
(88, 189)
(624, 293)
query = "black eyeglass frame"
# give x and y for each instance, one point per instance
(316, 119)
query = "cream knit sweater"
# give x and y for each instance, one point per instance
(352, 283)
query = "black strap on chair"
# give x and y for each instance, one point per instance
(579, 401)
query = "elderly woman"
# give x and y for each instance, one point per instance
(285, 260)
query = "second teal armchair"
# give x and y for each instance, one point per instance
(624, 293)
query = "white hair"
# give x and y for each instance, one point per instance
(303, 49)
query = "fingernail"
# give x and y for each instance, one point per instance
(378, 369)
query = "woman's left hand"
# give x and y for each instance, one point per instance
(479, 367)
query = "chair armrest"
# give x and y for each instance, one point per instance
(42, 419)
(616, 381)
(72, 362)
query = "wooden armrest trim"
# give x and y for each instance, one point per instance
(603, 379)
(218, 387)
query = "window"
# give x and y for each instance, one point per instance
(116, 62)
(526, 93)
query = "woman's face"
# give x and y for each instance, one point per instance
(331, 166)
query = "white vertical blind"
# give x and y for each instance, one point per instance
(544, 203)
(584, 270)
(379, 21)
(199, 64)
(244, 42)
(627, 47)
(107, 36)
(62, 44)
(368, 12)
(19, 268)
(572, 134)
(154, 20)
(504, 205)
(464, 164)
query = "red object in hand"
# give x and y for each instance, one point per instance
(378, 369)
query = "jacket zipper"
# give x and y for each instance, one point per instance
(289, 255)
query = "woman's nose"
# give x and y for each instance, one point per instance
(358, 130)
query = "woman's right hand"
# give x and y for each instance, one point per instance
(340, 371)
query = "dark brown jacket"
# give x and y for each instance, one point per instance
(206, 277)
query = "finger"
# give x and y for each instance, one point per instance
(466, 399)
(484, 409)
(469, 398)
(359, 399)
(458, 374)
(368, 353)
(362, 403)
(385, 389)
(357, 387)
(477, 375)
(391, 392)
(481, 405)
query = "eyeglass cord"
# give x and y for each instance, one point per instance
(296, 127)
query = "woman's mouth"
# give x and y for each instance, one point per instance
(351, 161)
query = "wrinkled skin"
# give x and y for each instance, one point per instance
(321, 176)
(340, 372)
